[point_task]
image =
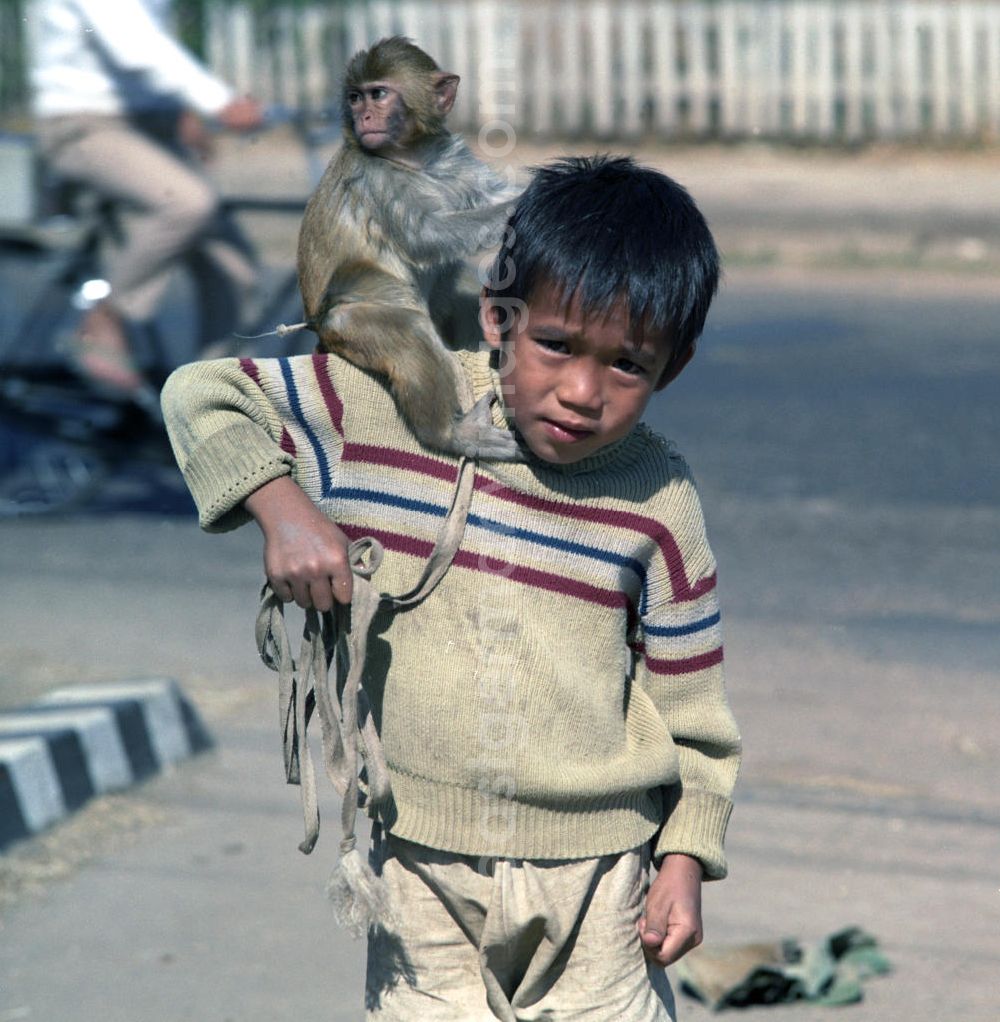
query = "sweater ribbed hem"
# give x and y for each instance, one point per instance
(248, 458)
(479, 822)
(696, 826)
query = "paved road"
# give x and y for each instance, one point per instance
(844, 437)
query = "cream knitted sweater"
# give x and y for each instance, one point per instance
(560, 693)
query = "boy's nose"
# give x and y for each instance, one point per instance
(581, 388)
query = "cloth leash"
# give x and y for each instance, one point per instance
(340, 637)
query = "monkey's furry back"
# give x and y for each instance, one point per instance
(366, 206)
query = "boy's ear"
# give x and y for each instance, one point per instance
(490, 319)
(500, 318)
(677, 368)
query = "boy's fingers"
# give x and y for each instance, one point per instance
(336, 589)
(679, 941)
(321, 595)
(654, 925)
(651, 938)
(664, 948)
(676, 945)
(343, 587)
(301, 595)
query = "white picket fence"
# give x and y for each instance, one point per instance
(823, 70)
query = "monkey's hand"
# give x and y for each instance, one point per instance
(475, 436)
(305, 554)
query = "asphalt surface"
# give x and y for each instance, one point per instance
(843, 427)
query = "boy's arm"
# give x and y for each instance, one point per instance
(689, 847)
(226, 437)
(681, 671)
(226, 433)
(305, 554)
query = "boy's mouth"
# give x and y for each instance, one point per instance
(565, 432)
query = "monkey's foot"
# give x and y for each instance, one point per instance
(475, 436)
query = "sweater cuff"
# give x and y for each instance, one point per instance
(248, 458)
(695, 825)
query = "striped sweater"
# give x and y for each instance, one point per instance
(560, 693)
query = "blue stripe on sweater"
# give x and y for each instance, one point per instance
(491, 525)
(388, 499)
(296, 406)
(669, 631)
(567, 545)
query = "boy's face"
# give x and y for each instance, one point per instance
(575, 384)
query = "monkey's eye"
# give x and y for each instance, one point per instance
(379, 92)
(354, 97)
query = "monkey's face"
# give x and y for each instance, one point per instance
(382, 123)
(575, 383)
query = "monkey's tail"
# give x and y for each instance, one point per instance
(281, 330)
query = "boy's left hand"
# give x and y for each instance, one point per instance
(671, 924)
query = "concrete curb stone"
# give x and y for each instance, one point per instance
(86, 740)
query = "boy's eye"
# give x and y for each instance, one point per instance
(626, 365)
(551, 344)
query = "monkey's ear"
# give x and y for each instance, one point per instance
(445, 90)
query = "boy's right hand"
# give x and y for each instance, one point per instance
(305, 554)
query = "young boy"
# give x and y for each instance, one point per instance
(552, 715)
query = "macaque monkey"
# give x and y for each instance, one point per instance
(398, 208)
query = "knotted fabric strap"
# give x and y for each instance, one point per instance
(340, 636)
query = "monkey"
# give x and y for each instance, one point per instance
(399, 206)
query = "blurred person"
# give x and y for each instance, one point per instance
(119, 107)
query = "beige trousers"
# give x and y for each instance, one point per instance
(166, 207)
(474, 940)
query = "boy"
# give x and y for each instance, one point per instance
(552, 714)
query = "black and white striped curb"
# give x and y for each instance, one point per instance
(85, 740)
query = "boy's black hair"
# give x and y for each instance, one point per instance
(603, 228)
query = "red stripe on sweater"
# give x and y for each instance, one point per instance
(542, 579)
(686, 665)
(681, 588)
(287, 444)
(391, 540)
(334, 406)
(250, 368)
(392, 458)
(481, 562)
